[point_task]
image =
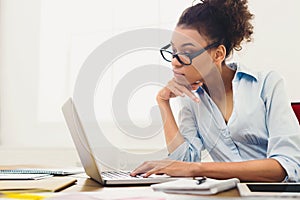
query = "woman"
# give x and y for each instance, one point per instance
(241, 117)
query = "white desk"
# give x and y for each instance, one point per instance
(85, 184)
(68, 158)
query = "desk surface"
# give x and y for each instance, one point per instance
(85, 184)
(25, 159)
(88, 189)
(39, 158)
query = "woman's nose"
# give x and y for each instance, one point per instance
(176, 63)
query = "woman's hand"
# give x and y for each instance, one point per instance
(169, 167)
(174, 89)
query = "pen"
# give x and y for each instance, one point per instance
(200, 180)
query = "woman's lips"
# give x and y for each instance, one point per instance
(177, 73)
(180, 78)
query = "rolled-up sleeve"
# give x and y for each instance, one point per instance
(190, 149)
(283, 127)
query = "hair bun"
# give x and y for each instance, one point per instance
(226, 21)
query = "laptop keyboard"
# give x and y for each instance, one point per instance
(117, 175)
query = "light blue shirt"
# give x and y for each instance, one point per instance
(262, 124)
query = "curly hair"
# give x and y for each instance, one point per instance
(223, 21)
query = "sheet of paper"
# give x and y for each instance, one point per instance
(23, 176)
(52, 171)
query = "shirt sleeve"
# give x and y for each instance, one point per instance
(190, 149)
(283, 127)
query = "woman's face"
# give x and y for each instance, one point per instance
(189, 41)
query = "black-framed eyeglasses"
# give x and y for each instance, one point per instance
(184, 58)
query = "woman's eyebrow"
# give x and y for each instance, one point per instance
(184, 45)
(187, 44)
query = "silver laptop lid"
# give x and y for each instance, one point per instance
(81, 143)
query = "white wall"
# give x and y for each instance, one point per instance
(20, 22)
(275, 46)
(276, 41)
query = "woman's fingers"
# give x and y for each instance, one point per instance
(181, 90)
(153, 171)
(189, 93)
(165, 94)
(174, 89)
(145, 167)
(150, 167)
(169, 167)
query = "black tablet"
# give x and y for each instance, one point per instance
(269, 189)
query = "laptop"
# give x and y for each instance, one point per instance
(87, 156)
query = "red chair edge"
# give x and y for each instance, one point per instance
(296, 108)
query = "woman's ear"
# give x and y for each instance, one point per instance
(219, 54)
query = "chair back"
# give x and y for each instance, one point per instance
(296, 108)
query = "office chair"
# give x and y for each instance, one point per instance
(296, 108)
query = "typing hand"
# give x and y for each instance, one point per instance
(168, 167)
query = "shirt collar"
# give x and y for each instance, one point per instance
(242, 70)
